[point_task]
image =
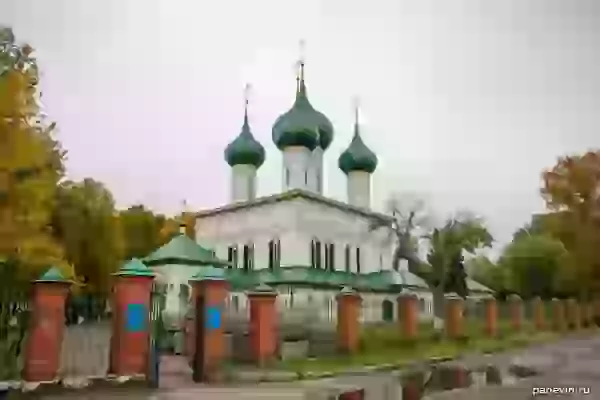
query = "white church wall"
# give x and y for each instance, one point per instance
(359, 189)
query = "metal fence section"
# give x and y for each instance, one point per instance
(85, 349)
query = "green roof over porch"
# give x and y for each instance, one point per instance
(184, 251)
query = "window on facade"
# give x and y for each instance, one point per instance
(319, 181)
(306, 177)
(248, 261)
(232, 256)
(291, 293)
(422, 304)
(313, 254)
(235, 303)
(347, 258)
(318, 263)
(358, 260)
(274, 254)
(287, 177)
(330, 257)
(278, 253)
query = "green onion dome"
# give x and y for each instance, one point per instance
(357, 157)
(302, 125)
(245, 149)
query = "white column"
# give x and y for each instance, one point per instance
(296, 167)
(243, 182)
(359, 189)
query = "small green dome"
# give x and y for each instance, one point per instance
(357, 157)
(245, 149)
(302, 125)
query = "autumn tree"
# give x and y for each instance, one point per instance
(142, 231)
(86, 222)
(571, 190)
(31, 163)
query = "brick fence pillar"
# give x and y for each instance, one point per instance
(454, 315)
(209, 290)
(515, 304)
(491, 316)
(539, 314)
(42, 357)
(263, 324)
(348, 320)
(409, 315)
(130, 341)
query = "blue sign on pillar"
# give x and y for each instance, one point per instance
(135, 318)
(213, 318)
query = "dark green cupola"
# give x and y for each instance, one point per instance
(357, 157)
(245, 149)
(302, 125)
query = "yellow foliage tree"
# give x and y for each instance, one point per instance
(31, 164)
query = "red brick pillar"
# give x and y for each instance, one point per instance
(263, 324)
(409, 315)
(515, 305)
(42, 357)
(454, 316)
(130, 343)
(491, 316)
(539, 314)
(558, 315)
(210, 286)
(348, 320)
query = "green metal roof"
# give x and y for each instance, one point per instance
(302, 125)
(245, 149)
(182, 250)
(209, 272)
(53, 274)
(357, 157)
(134, 267)
(381, 281)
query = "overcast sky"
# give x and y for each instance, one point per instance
(465, 102)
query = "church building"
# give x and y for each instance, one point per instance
(299, 241)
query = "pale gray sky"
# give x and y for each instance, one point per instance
(465, 101)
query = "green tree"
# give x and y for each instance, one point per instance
(534, 265)
(481, 269)
(460, 234)
(141, 230)
(31, 164)
(86, 222)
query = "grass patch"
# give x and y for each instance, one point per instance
(384, 345)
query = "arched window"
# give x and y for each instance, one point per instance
(287, 177)
(248, 262)
(347, 258)
(274, 254)
(318, 257)
(306, 177)
(358, 260)
(232, 256)
(235, 303)
(315, 253)
(330, 257)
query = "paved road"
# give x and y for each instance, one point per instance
(571, 362)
